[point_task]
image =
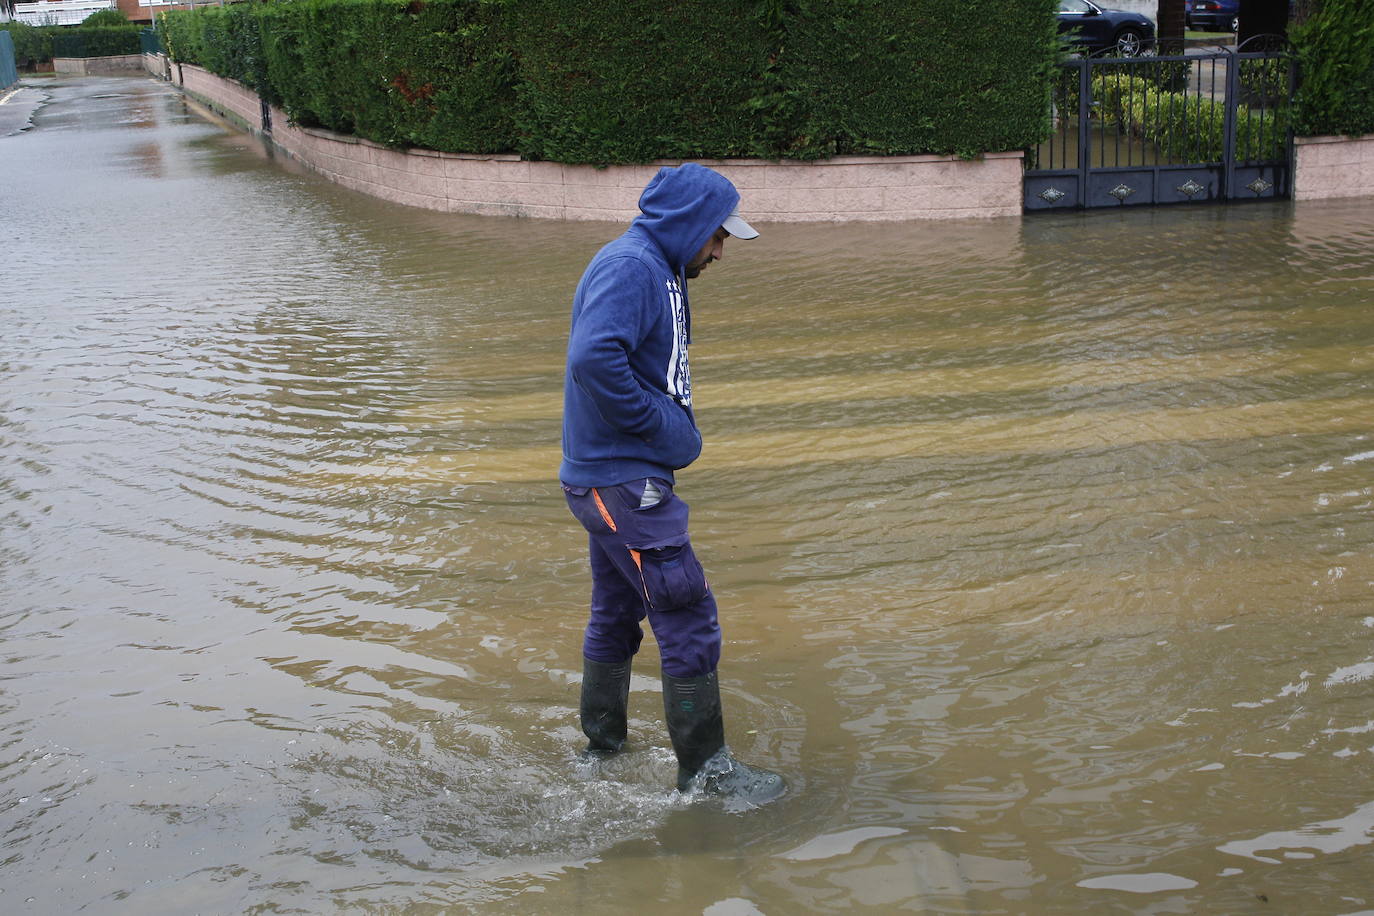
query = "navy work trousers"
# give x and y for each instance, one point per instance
(643, 565)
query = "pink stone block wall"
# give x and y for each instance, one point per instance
(82, 66)
(1327, 167)
(841, 189)
(224, 95)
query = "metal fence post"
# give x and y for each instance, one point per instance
(1084, 133)
(9, 71)
(1288, 151)
(1228, 126)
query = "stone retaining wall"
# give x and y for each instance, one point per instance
(85, 66)
(1326, 167)
(157, 65)
(845, 188)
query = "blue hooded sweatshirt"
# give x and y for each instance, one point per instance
(627, 391)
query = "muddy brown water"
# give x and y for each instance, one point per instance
(1044, 550)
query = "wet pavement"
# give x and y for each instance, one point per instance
(17, 105)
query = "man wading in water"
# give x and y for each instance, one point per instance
(627, 426)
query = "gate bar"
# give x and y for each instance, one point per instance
(1228, 125)
(1084, 129)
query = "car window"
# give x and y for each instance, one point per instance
(1073, 6)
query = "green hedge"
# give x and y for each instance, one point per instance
(878, 76)
(429, 74)
(100, 41)
(636, 80)
(39, 44)
(640, 80)
(1335, 48)
(32, 44)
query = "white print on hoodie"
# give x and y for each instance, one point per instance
(679, 376)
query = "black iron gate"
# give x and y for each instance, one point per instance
(1161, 129)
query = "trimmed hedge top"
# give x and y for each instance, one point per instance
(637, 80)
(96, 41)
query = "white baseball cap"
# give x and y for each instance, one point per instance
(736, 226)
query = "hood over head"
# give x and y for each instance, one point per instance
(682, 207)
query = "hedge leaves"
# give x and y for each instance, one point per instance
(636, 80)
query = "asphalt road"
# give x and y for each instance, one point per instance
(17, 105)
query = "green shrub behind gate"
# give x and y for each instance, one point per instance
(1187, 127)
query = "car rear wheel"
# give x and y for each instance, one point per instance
(1128, 42)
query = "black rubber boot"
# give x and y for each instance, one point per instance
(697, 729)
(605, 696)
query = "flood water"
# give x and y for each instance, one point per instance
(1044, 551)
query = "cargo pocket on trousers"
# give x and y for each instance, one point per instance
(673, 577)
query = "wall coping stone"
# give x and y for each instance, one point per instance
(1332, 138)
(326, 134)
(131, 58)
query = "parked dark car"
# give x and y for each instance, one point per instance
(1094, 28)
(1213, 15)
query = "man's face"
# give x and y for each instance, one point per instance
(713, 250)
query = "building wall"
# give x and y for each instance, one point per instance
(143, 11)
(58, 12)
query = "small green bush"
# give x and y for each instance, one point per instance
(1188, 128)
(1264, 81)
(96, 42)
(1335, 48)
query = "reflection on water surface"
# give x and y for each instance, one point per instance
(1044, 550)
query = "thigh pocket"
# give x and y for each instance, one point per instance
(673, 577)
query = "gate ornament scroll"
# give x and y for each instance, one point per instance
(1121, 192)
(1052, 195)
(1191, 188)
(1259, 185)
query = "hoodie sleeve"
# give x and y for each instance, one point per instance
(618, 311)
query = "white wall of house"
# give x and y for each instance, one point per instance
(59, 12)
